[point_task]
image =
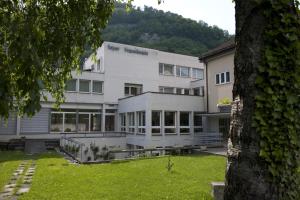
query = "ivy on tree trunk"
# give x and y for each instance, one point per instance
(263, 147)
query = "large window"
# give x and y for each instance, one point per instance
(156, 123)
(141, 116)
(69, 121)
(166, 69)
(133, 89)
(109, 122)
(97, 87)
(131, 122)
(198, 73)
(167, 90)
(95, 122)
(199, 91)
(170, 122)
(224, 127)
(223, 78)
(184, 122)
(71, 85)
(56, 122)
(183, 71)
(123, 122)
(198, 123)
(83, 122)
(84, 85)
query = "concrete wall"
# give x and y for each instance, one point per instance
(9, 126)
(215, 92)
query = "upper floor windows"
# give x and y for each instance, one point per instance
(222, 78)
(166, 69)
(85, 86)
(181, 71)
(133, 89)
(198, 73)
(71, 85)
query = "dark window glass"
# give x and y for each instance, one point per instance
(222, 77)
(155, 118)
(184, 118)
(217, 78)
(170, 118)
(227, 77)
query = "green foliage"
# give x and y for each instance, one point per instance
(277, 116)
(224, 101)
(170, 164)
(40, 43)
(164, 31)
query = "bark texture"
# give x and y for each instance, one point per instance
(247, 173)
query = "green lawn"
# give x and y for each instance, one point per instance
(9, 161)
(141, 179)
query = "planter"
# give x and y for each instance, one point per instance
(224, 108)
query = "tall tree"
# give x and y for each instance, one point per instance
(40, 44)
(264, 143)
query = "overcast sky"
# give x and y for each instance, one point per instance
(213, 12)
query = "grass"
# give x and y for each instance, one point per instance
(145, 179)
(9, 162)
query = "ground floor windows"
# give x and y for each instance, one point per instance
(56, 122)
(224, 126)
(123, 122)
(109, 122)
(71, 121)
(198, 123)
(170, 122)
(184, 122)
(156, 123)
(131, 122)
(141, 116)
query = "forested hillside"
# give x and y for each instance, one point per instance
(163, 31)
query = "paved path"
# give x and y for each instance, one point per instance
(20, 181)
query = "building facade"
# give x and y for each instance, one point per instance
(150, 98)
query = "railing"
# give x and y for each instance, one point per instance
(210, 138)
(94, 134)
(72, 147)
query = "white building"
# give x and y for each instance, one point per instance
(150, 98)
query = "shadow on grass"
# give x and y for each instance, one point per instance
(7, 156)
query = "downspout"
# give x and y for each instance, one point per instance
(206, 80)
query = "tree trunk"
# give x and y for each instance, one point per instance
(247, 176)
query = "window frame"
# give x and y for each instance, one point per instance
(139, 88)
(161, 69)
(141, 122)
(179, 69)
(222, 75)
(76, 82)
(181, 127)
(131, 122)
(95, 81)
(156, 127)
(197, 126)
(170, 127)
(194, 73)
(84, 80)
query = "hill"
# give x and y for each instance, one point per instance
(164, 31)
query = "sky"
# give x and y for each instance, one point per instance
(213, 12)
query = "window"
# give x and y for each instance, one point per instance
(83, 122)
(97, 87)
(71, 85)
(183, 71)
(98, 65)
(131, 122)
(141, 116)
(155, 123)
(224, 127)
(109, 122)
(123, 122)
(166, 69)
(186, 91)
(198, 73)
(167, 90)
(170, 122)
(199, 91)
(223, 78)
(56, 122)
(198, 123)
(84, 85)
(184, 122)
(70, 122)
(133, 89)
(95, 122)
